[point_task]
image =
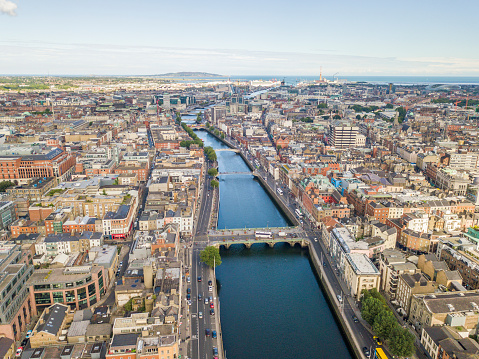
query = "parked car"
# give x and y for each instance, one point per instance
(366, 351)
(339, 297)
(188, 290)
(212, 305)
(213, 334)
(29, 333)
(24, 342)
(210, 288)
(210, 282)
(212, 311)
(19, 352)
(215, 350)
(206, 300)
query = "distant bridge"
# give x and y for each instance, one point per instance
(228, 149)
(236, 173)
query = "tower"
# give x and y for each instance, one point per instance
(396, 119)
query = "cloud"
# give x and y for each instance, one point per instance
(28, 57)
(8, 7)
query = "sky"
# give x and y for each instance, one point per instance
(260, 37)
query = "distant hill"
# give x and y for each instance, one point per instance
(189, 74)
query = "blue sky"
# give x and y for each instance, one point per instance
(261, 37)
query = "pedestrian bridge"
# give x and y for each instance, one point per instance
(227, 243)
(228, 149)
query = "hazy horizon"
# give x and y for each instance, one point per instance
(374, 38)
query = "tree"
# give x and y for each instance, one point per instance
(402, 342)
(214, 184)
(358, 117)
(384, 323)
(5, 184)
(402, 114)
(323, 105)
(213, 172)
(477, 109)
(371, 307)
(389, 105)
(198, 117)
(207, 125)
(211, 256)
(223, 135)
(336, 117)
(279, 147)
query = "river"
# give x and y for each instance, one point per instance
(271, 303)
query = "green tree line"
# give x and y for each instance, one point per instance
(195, 139)
(376, 312)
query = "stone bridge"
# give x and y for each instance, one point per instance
(270, 242)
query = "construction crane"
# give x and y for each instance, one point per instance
(455, 103)
(335, 75)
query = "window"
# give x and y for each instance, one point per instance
(57, 297)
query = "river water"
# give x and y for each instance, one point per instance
(271, 303)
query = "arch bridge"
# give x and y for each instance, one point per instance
(270, 242)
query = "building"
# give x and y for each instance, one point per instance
(78, 287)
(447, 343)
(55, 163)
(15, 304)
(342, 136)
(410, 284)
(450, 308)
(8, 214)
(360, 273)
(123, 346)
(393, 263)
(118, 225)
(7, 348)
(35, 189)
(48, 330)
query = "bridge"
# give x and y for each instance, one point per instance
(228, 149)
(227, 243)
(236, 173)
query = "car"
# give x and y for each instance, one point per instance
(210, 282)
(207, 332)
(206, 300)
(213, 334)
(189, 302)
(212, 311)
(24, 342)
(19, 351)
(211, 299)
(210, 288)
(188, 279)
(188, 296)
(29, 334)
(215, 350)
(212, 305)
(366, 351)
(188, 290)
(199, 279)
(355, 319)
(200, 296)
(376, 339)
(340, 299)
(200, 315)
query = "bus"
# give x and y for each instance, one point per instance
(298, 213)
(379, 354)
(259, 234)
(280, 191)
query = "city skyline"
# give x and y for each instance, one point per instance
(122, 38)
